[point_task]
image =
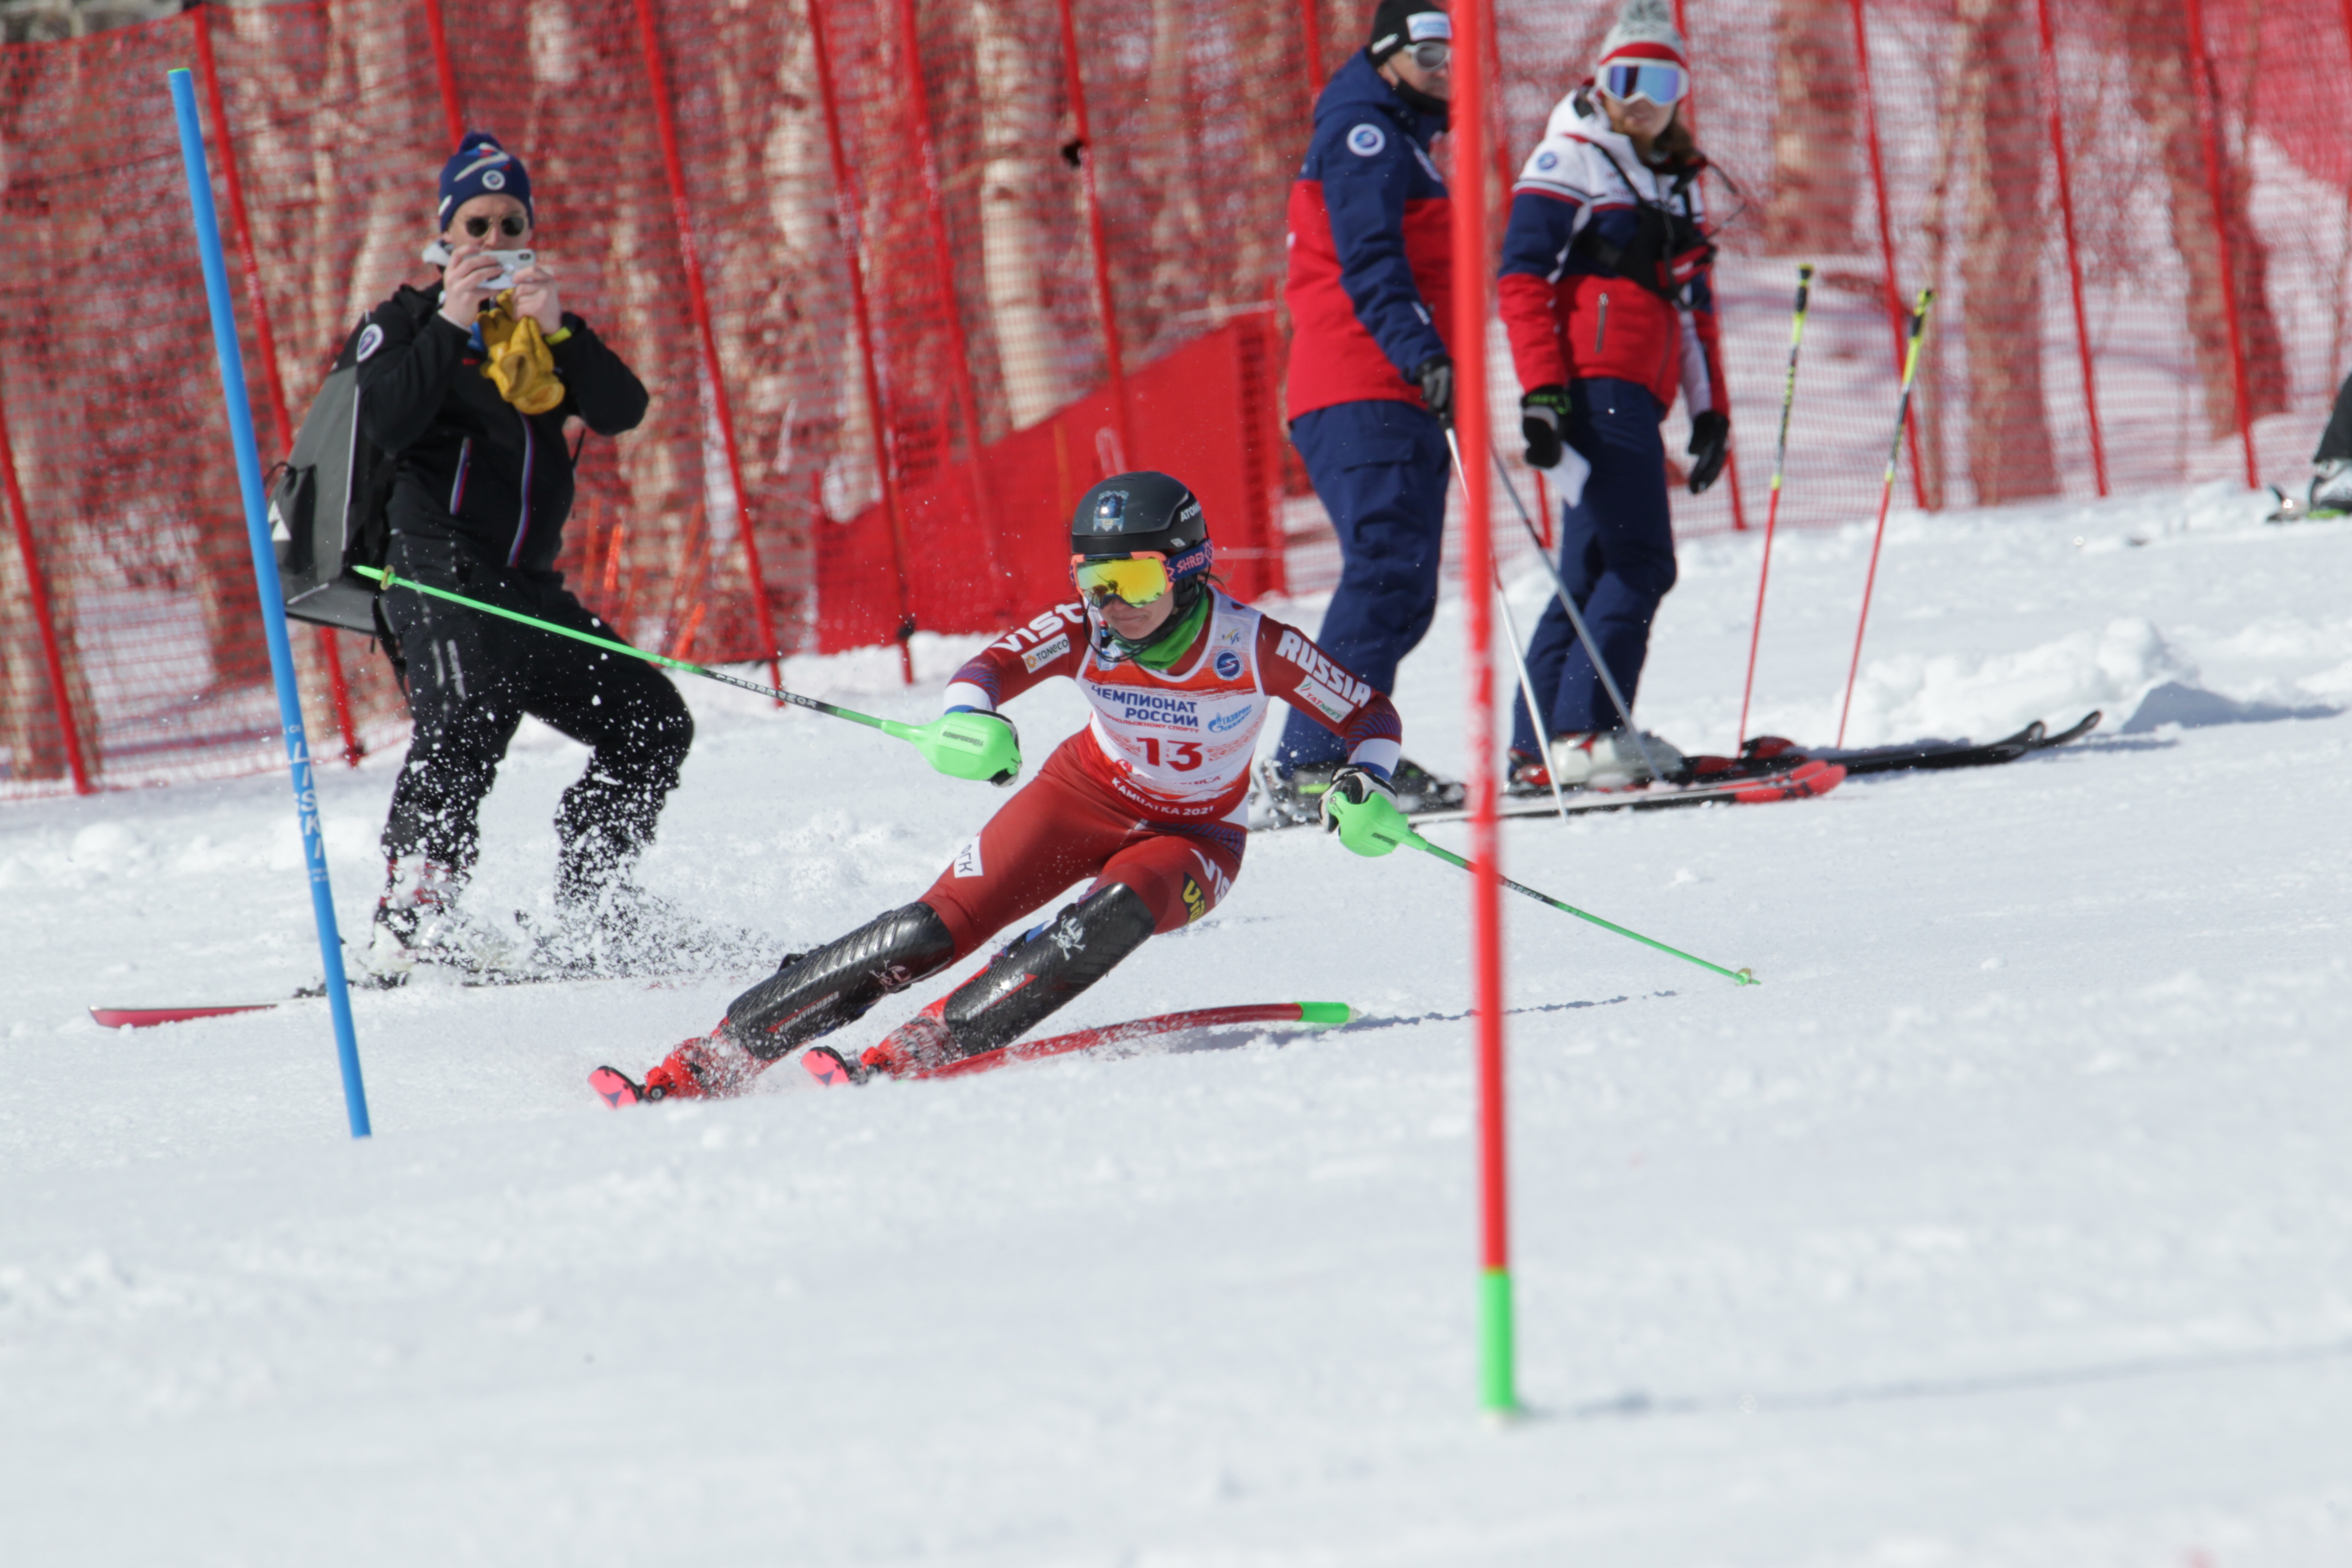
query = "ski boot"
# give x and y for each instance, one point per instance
(1612, 759)
(708, 1066)
(922, 1041)
(418, 922)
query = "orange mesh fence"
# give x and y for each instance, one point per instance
(853, 251)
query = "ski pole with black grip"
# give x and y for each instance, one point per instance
(961, 745)
(1886, 498)
(1772, 511)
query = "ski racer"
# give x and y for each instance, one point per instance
(1146, 805)
(1607, 302)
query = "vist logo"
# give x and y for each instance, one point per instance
(1196, 902)
(1334, 682)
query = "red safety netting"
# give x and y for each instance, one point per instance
(853, 252)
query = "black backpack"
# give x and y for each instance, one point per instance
(330, 503)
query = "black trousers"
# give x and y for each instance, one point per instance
(2336, 441)
(471, 678)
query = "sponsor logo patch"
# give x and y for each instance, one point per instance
(1325, 701)
(1196, 902)
(1423, 25)
(1547, 160)
(493, 180)
(371, 339)
(1045, 653)
(1239, 716)
(967, 860)
(1229, 664)
(1366, 141)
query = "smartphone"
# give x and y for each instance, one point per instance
(509, 263)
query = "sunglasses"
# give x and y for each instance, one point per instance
(512, 226)
(1661, 84)
(1136, 579)
(1432, 56)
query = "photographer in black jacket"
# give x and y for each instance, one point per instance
(470, 384)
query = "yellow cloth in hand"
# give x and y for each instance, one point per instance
(519, 361)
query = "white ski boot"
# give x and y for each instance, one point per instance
(1610, 759)
(418, 922)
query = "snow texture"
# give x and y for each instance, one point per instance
(2009, 1222)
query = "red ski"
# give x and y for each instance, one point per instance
(827, 1067)
(148, 1017)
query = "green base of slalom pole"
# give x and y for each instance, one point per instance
(1498, 1382)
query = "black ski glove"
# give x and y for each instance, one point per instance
(1355, 784)
(1710, 444)
(1543, 414)
(1434, 376)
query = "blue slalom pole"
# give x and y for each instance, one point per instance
(273, 603)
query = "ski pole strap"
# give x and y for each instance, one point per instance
(1736, 977)
(390, 581)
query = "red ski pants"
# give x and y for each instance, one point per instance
(1063, 827)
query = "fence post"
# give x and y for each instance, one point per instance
(1898, 314)
(851, 228)
(682, 213)
(444, 73)
(1311, 22)
(1104, 302)
(919, 105)
(2208, 115)
(265, 341)
(2074, 258)
(37, 588)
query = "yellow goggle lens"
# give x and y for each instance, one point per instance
(1134, 579)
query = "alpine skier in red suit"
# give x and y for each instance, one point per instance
(1147, 806)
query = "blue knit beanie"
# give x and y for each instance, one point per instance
(481, 166)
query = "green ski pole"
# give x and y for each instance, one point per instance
(961, 745)
(1374, 826)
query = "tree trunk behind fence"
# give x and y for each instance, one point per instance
(2155, 39)
(1016, 128)
(2010, 453)
(1816, 126)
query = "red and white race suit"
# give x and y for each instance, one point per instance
(1152, 792)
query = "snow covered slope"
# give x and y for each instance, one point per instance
(2009, 1222)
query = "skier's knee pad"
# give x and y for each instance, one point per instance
(1032, 978)
(821, 990)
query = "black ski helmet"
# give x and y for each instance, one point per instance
(1128, 514)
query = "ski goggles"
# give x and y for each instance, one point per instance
(1433, 56)
(1661, 84)
(1139, 579)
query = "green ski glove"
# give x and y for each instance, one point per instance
(967, 744)
(1361, 809)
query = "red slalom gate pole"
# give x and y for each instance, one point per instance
(37, 587)
(1885, 495)
(2074, 260)
(2208, 115)
(444, 75)
(1886, 225)
(1105, 304)
(1772, 511)
(1497, 1380)
(682, 214)
(265, 342)
(853, 228)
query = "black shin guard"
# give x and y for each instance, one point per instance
(1034, 977)
(818, 991)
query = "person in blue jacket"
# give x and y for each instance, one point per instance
(1371, 389)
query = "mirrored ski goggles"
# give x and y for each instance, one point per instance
(1138, 579)
(1661, 84)
(1434, 55)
